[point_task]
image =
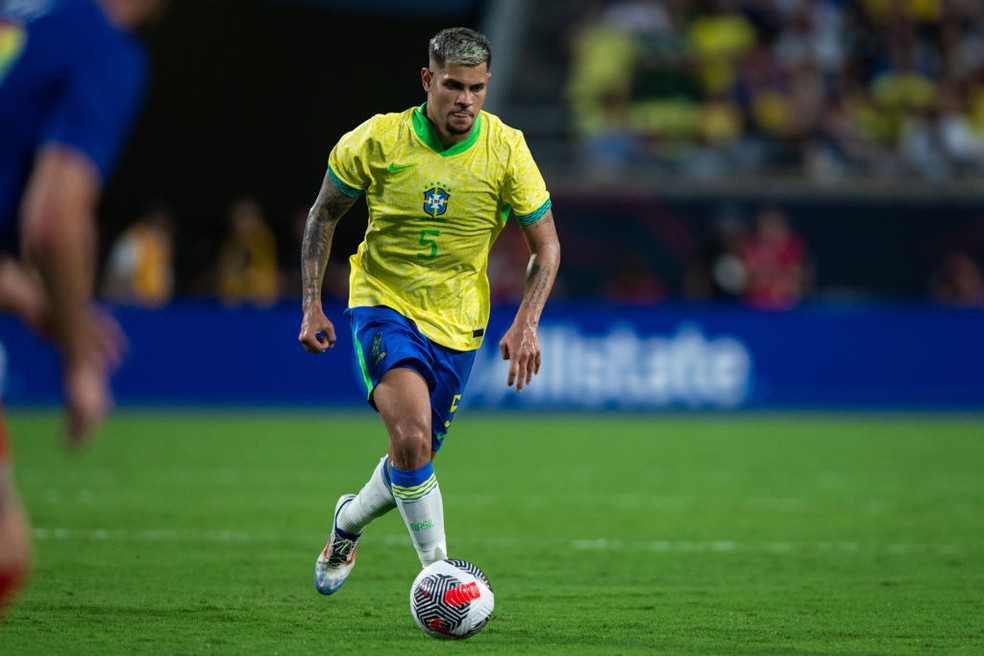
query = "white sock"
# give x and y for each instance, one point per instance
(375, 499)
(425, 520)
(418, 496)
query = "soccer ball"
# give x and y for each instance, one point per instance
(451, 599)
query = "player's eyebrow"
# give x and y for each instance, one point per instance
(451, 82)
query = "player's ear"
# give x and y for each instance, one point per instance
(426, 75)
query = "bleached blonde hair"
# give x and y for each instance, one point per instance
(460, 45)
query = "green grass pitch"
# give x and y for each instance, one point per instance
(196, 532)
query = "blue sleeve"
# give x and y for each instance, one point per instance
(99, 100)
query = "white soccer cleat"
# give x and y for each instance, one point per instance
(338, 557)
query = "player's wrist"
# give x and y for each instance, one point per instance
(310, 305)
(527, 320)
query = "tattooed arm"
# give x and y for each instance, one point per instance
(317, 332)
(520, 345)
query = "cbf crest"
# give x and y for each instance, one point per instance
(376, 352)
(436, 199)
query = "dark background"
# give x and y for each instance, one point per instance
(247, 98)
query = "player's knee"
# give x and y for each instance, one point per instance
(410, 444)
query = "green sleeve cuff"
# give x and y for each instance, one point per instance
(346, 189)
(533, 217)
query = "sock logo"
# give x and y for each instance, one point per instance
(421, 526)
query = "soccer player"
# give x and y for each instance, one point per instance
(72, 74)
(440, 182)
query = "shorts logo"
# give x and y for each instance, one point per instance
(436, 200)
(376, 351)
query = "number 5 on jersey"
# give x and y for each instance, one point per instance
(425, 240)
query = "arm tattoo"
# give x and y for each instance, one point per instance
(328, 208)
(538, 282)
(544, 262)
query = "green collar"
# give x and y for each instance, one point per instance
(428, 133)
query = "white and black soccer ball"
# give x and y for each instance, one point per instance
(451, 599)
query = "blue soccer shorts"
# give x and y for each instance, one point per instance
(385, 339)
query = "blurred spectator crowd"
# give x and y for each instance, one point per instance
(767, 266)
(822, 88)
(254, 264)
(752, 256)
(826, 89)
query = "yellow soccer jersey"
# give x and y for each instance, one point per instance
(434, 213)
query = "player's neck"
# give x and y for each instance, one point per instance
(447, 139)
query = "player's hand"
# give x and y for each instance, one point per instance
(22, 294)
(521, 346)
(88, 399)
(317, 332)
(108, 338)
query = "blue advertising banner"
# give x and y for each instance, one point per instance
(686, 356)
(693, 356)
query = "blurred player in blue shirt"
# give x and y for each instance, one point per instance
(72, 76)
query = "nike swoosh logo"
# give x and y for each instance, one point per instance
(396, 169)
